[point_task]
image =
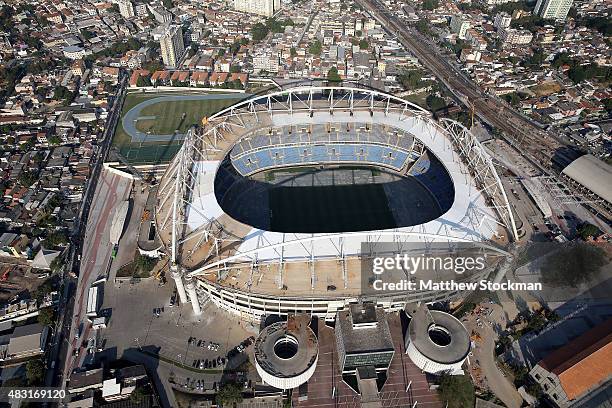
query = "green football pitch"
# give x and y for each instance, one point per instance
(166, 117)
(178, 116)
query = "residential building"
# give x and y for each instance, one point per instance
(502, 20)
(161, 15)
(260, 7)
(126, 9)
(511, 36)
(172, 46)
(459, 26)
(577, 369)
(25, 341)
(265, 62)
(553, 9)
(78, 68)
(491, 3)
(142, 10)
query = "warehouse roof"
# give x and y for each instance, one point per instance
(593, 174)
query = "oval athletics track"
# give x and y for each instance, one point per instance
(129, 119)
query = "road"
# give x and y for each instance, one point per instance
(111, 191)
(481, 322)
(59, 350)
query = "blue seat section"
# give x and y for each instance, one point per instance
(276, 156)
(431, 173)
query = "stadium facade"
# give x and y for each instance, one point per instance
(232, 208)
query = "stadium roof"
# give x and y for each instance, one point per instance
(593, 174)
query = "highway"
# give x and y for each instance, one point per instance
(534, 142)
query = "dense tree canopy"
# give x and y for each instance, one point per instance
(456, 390)
(315, 48)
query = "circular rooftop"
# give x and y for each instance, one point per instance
(286, 353)
(440, 337)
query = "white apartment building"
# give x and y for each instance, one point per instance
(172, 46)
(260, 7)
(142, 10)
(553, 9)
(265, 62)
(511, 36)
(459, 26)
(502, 20)
(126, 9)
(160, 14)
(491, 3)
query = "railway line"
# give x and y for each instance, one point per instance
(534, 142)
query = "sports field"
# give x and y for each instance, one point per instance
(168, 117)
(155, 131)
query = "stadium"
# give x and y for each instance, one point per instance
(268, 207)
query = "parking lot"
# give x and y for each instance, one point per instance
(142, 319)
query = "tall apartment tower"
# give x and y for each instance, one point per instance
(260, 7)
(126, 9)
(553, 9)
(172, 46)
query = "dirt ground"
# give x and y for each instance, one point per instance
(16, 279)
(546, 88)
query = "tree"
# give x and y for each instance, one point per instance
(456, 390)
(153, 66)
(35, 371)
(229, 395)
(512, 98)
(599, 23)
(234, 69)
(293, 52)
(143, 81)
(536, 59)
(363, 44)
(193, 49)
(138, 395)
(46, 316)
(435, 102)
(430, 4)
(56, 264)
(87, 35)
(145, 263)
(259, 32)
(54, 140)
(56, 238)
(61, 92)
(509, 7)
(411, 79)
(423, 28)
(575, 263)
(332, 75)
(587, 231)
(27, 178)
(315, 48)
(44, 289)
